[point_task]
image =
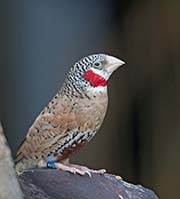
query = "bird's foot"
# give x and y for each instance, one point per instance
(86, 169)
(72, 168)
(69, 168)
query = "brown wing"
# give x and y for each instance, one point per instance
(53, 124)
(50, 126)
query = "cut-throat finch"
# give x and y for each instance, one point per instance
(71, 119)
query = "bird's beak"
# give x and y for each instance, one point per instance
(112, 63)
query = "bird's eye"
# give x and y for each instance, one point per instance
(97, 65)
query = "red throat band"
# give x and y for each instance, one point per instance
(95, 79)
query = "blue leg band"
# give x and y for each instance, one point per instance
(51, 164)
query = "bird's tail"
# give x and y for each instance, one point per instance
(20, 167)
(22, 163)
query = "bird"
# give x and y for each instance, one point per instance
(71, 118)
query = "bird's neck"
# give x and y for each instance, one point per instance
(86, 84)
(99, 90)
(81, 90)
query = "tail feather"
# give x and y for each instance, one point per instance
(21, 146)
(22, 163)
(20, 167)
(19, 157)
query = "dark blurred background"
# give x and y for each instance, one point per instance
(140, 138)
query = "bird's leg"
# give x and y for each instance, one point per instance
(61, 166)
(86, 169)
(82, 168)
(72, 168)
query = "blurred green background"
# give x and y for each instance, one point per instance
(140, 138)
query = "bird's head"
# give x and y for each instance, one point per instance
(96, 69)
(93, 71)
(100, 69)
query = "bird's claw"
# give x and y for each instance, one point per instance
(86, 170)
(81, 170)
(88, 173)
(100, 171)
